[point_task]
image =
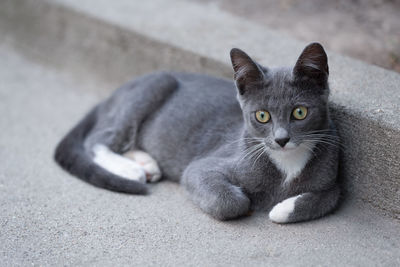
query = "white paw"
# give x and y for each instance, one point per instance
(118, 165)
(149, 165)
(280, 212)
(153, 172)
(131, 170)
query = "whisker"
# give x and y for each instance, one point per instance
(253, 151)
(262, 152)
(310, 148)
(330, 138)
(323, 137)
(333, 141)
(246, 140)
(324, 142)
(323, 131)
(250, 151)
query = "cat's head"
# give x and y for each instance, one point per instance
(283, 106)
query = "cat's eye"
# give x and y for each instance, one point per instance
(263, 116)
(300, 113)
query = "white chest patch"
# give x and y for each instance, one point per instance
(290, 162)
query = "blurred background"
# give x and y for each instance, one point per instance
(368, 30)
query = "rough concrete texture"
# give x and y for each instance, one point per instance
(368, 30)
(113, 42)
(49, 218)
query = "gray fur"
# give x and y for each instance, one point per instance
(199, 130)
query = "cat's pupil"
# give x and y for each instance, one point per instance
(299, 112)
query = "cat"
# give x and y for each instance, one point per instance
(263, 142)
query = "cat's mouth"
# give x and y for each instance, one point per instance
(293, 147)
(290, 146)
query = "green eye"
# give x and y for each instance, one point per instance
(262, 116)
(300, 113)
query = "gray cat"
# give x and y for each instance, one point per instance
(265, 142)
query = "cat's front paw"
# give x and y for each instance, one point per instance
(229, 205)
(281, 212)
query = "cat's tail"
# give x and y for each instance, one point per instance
(72, 156)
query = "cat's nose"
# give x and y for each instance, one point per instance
(282, 141)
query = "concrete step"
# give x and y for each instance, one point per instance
(113, 42)
(49, 218)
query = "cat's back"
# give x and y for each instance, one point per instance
(206, 87)
(197, 118)
(200, 96)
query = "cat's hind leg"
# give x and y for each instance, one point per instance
(118, 164)
(92, 149)
(306, 206)
(149, 165)
(134, 165)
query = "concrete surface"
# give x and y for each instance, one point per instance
(368, 30)
(49, 218)
(97, 40)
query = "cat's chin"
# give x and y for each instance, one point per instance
(284, 149)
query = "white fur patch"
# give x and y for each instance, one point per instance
(118, 164)
(148, 164)
(291, 161)
(280, 212)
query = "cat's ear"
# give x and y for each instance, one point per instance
(247, 72)
(312, 64)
